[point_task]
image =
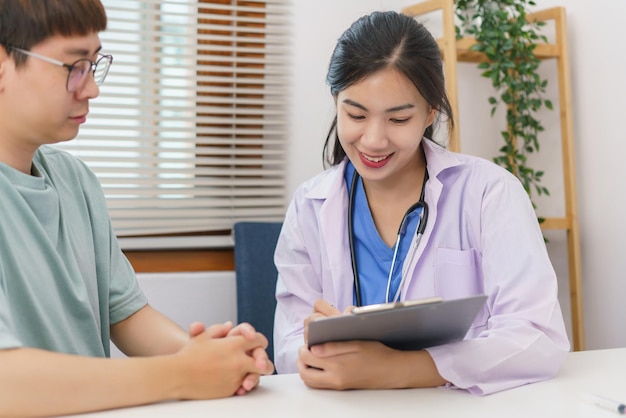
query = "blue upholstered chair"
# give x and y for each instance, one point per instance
(256, 275)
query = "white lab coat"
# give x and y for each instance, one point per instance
(482, 236)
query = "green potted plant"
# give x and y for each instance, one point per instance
(504, 35)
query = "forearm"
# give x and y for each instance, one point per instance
(35, 382)
(148, 333)
(413, 369)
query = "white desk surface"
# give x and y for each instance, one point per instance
(595, 371)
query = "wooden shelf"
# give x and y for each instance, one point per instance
(464, 54)
(458, 50)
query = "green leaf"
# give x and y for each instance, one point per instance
(508, 40)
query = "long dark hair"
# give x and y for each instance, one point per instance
(386, 40)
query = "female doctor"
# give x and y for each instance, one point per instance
(398, 217)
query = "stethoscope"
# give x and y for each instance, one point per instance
(421, 226)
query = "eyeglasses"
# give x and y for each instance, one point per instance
(79, 70)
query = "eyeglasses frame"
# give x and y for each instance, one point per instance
(70, 67)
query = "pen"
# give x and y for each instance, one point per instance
(607, 403)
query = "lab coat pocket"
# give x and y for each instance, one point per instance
(458, 275)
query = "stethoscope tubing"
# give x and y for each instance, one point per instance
(421, 227)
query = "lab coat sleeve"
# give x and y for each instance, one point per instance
(523, 339)
(297, 284)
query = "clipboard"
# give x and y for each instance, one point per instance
(409, 325)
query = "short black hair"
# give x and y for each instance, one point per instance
(26, 23)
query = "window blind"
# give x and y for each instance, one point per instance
(188, 134)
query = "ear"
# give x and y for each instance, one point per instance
(3, 65)
(432, 114)
(3, 53)
(5, 61)
(4, 56)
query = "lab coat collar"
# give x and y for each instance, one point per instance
(330, 187)
(328, 184)
(438, 158)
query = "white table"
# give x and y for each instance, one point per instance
(595, 371)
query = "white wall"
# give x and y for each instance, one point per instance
(208, 297)
(599, 99)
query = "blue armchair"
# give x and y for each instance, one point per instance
(256, 275)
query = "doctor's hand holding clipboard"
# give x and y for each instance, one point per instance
(359, 364)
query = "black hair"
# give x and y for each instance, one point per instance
(384, 40)
(26, 23)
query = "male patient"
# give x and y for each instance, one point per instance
(65, 287)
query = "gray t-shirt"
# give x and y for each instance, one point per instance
(63, 278)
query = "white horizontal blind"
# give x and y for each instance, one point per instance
(189, 131)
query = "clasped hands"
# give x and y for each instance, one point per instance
(234, 356)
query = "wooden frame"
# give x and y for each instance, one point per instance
(158, 261)
(457, 50)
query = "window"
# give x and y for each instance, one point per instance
(188, 134)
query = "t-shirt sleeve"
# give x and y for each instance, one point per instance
(125, 295)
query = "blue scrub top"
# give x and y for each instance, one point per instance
(373, 256)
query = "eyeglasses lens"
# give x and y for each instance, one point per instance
(82, 68)
(77, 75)
(102, 68)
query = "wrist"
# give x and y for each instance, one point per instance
(170, 375)
(416, 369)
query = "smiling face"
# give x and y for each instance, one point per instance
(380, 124)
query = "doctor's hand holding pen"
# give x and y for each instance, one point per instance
(321, 309)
